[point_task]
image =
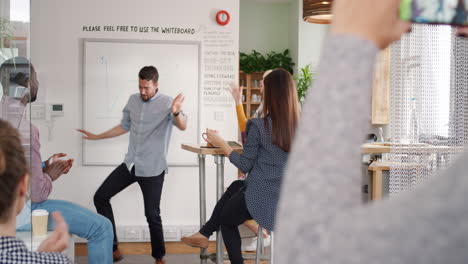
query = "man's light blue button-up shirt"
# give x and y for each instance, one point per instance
(150, 126)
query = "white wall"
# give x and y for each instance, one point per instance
(278, 25)
(56, 51)
(310, 40)
(264, 26)
(293, 25)
(5, 9)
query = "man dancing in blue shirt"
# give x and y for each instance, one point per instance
(149, 117)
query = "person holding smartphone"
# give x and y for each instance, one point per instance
(321, 217)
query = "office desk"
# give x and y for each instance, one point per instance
(377, 167)
(415, 156)
(219, 161)
(375, 148)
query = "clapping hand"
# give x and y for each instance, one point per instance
(177, 103)
(58, 240)
(56, 167)
(236, 93)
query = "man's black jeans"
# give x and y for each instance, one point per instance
(151, 187)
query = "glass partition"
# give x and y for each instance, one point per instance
(15, 88)
(429, 103)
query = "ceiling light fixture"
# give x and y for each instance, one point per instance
(317, 11)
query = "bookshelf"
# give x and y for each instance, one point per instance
(252, 94)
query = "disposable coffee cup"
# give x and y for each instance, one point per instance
(39, 222)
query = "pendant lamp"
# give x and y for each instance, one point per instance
(316, 11)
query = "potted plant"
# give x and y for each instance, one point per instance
(303, 82)
(253, 62)
(280, 60)
(257, 62)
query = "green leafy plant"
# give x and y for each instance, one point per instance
(279, 60)
(257, 62)
(303, 81)
(6, 36)
(253, 62)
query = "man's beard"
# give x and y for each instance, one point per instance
(147, 96)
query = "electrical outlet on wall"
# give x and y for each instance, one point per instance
(133, 233)
(171, 233)
(146, 234)
(188, 230)
(121, 233)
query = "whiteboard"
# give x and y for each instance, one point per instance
(110, 76)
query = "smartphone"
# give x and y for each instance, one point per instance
(448, 12)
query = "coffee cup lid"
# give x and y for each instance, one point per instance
(40, 212)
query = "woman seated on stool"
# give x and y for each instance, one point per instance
(236, 92)
(14, 179)
(266, 151)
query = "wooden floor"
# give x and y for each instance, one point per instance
(144, 248)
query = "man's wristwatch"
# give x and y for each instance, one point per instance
(176, 114)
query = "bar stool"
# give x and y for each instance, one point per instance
(259, 252)
(260, 249)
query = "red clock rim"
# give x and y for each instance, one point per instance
(218, 19)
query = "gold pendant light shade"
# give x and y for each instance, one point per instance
(315, 11)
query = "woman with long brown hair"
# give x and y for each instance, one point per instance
(266, 150)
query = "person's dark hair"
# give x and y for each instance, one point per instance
(13, 167)
(19, 70)
(20, 78)
(282, 106)
(149, 73)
